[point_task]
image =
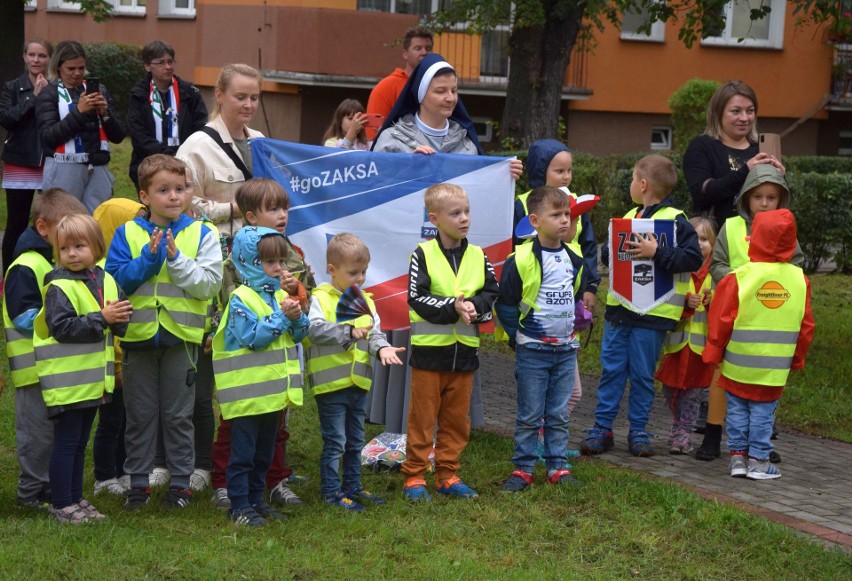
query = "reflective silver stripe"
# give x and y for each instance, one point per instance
(22, 361)
(700, 316)
(676, 300)
(248, 360)
(71, 378)
(255, 390)
(142, 316)
(676, 337)
(759, 361)
(425, 328)
(110, 367)
(188, 319)
(12, 334)
(697, 339)
(296, 381)
(165, 289)
(776, 337)
(58, 351)
(146, 289)
(340, 372)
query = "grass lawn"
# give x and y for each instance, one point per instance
(620, 525)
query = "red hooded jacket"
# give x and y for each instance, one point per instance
(773, 239)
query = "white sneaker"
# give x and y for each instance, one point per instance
(220, 499)
(739, 468)
(159, 477)
(762, 470)
(111, 486)
(124, 481)
(199, 479)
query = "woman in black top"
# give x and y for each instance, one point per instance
(716, 163)
(22, 155)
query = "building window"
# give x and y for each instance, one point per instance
(180, 8)
(494, 60)
(740, 30)
(484, 129)
(63, 5)
(844, 143)
(661, 138)
(30, 5)
(124, 7)
(400, 6)
(636, 17)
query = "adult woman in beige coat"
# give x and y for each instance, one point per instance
(217, 176)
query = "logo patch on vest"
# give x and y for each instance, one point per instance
(772, 295)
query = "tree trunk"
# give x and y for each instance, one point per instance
(11, 41)
(536, 74)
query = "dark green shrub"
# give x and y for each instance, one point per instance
(822, 204)
(689, 110)
(815, 164)
(118, 66)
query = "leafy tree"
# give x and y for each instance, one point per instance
(544, 33)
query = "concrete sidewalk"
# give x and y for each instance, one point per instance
(814, 495)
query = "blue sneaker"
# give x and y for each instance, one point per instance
(455, 487)
(415, 490)
(639, 443)
(344, 502)
(598, 441)
(362, 494)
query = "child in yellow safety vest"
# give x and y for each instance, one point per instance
(764, 189)
(340, 372)
(682, 372)
(73, 339)
(760, 328)
(33, 260)
(256, 367)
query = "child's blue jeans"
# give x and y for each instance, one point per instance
(749, 426)
(342, 415)
(627, 353)
(252, 447)
(545, 377)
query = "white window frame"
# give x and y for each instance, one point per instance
(30, 5)
(392, 7)
(657, 34)
(488, 134)
(168, 8)
(134, 9)
(64, 6)
(666, 133)
(775, 32)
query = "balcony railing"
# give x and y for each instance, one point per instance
(841, 76)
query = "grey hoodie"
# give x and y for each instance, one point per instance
(720, 263)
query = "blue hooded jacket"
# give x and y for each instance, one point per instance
(245, 328)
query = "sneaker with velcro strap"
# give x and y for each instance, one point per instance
(137, 498)
(177, 497)
(455, 487)
(246, 517)
(518, 480)
(361, 494)
(562, 477)
(93, 513)
(72, 514)
(264, 509)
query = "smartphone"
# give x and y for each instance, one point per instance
(770, 143)
(373, 120)
(93, 85)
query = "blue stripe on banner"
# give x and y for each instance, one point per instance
(663, 281)
(328, 184)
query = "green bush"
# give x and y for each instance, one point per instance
(822, 204)
(821, 186)
(689, 110)
(118, 66)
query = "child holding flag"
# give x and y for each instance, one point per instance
(632, 338)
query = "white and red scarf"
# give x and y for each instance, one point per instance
(169, 112)
(73, 150)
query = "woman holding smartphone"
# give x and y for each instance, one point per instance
(76, 122)
(22, 155)
(717, 162)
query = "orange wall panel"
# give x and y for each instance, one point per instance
(630, 76)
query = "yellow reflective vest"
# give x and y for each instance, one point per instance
(574, 244)
(672, 308)
(736, 233)
(691, 331)
(252, 382)
(75, 372)
(158, 301)
(469, 280)
(329, 367)
(19, 346)
(772, 299)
